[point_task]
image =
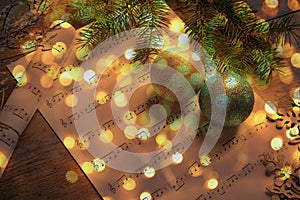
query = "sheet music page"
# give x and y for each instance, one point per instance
(88, 109)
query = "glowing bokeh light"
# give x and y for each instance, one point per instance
(98, 164)
(149, 172)
(120, 99)
(295, 60)
(3, 160)
(89, 76)
(145, 196)
(46, 81)
(176, 25)
(286, 76)
(106, 136)
(212, 183)
(129, 184)
(82, 53)
(77, 73)
(129, 118)
(87, 167)
(69, 142)
(18, 69)
(205, 161)
(277, 143)
(21, 78)
(130, 54)
(143, 134)
(71, 176)
(65, 78)
(288, 50)
(272, 3)
(102, 97)
(175, 126)
(177, 158)
(130, 132)
(59, 49)
(160, 138)
(71, 100)
(270, 107)
(47, 58)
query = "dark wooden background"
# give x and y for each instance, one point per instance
(40, 161)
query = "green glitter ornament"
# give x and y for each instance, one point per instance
(238, 100)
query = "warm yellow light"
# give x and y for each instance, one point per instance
(82, 53)
(130, 132)
(129, 184)
(53, 71)
(175, 126)
(143, 134)
(77, 73)
(59, 49)
(69, 142)
(145, 196)
(120, 99)
(292, 132)
(106, 136)
(176, 25)
(295, 60)
(87, 167)
(177, 158)
(149, 172)
(18, 69)
(293, 5)
(65, 79)
(89, 76)
(272, 3)
(71, 100)
(46, 81)
(259, 117)
(276, 143)
(3, 160)
(124, 70)
(130, 54)
(98, 164)
(102, 97)
(112, 59)
(212, 183)
(205, 161)
(129, 118)
(21, 78)
(107, 198)
(296, 155)
(71, 176)
(65, 25)
(285, 172)
(160, 138)
(270, 107)
(167, 145)
(47, 58)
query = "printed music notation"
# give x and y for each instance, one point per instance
(227, 147)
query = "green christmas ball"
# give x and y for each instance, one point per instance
(238, 99)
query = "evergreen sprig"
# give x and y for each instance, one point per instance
(243, 42)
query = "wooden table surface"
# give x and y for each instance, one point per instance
(40, 161)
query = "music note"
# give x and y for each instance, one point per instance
(57, 97)
(191, 107)
(111, 188)
(231, 143)
(87, 137)
(4, 137)
(63, 123)
(108, 157)
(201, 197)
(122, 181)
(221, 190)
(73, 117)
(108, 124)
(179, 183)
(37, 93)
(195, 169)
(230, 181)
(20, 113)
(157, 194)
(144, 77)
(247, 169)
(140, 109)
